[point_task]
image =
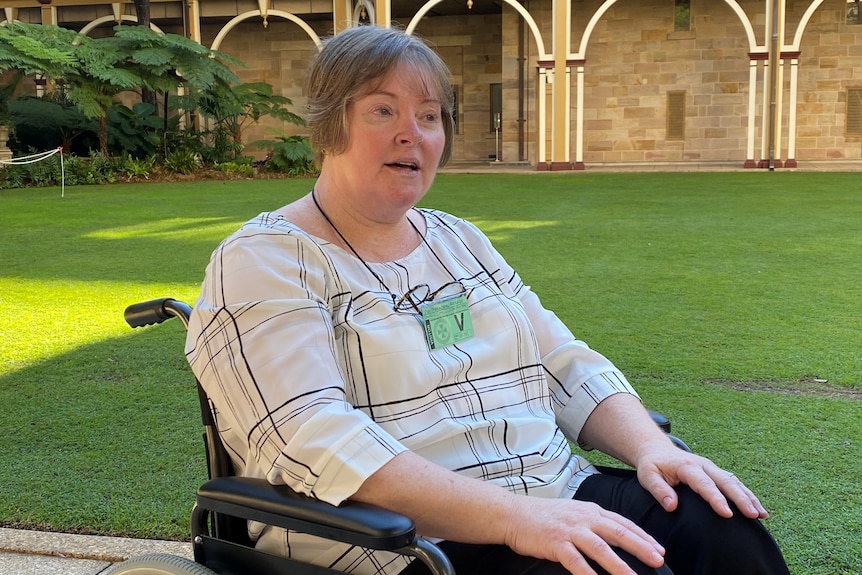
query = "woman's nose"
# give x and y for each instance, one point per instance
(410, 133)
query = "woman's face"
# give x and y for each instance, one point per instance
(395, 141)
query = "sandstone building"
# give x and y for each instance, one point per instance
(566, 84)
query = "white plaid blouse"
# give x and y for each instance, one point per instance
(316, 381)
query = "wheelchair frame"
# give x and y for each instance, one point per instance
(226, 502)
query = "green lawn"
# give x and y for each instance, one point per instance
(729, 299)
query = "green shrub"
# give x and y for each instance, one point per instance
(137, 168)
(291, 155)
(76, 171)
(134, 131)
(45, 172)
(13, 177)
(235, 169)
(182, 162)
(94, 169)
(186, 139)
(102, 168)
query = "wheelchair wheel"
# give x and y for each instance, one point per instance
(158, 564)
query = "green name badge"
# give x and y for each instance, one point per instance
(447, 321)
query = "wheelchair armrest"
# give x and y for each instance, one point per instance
(278, 505)
(660, 420)
(664, 424)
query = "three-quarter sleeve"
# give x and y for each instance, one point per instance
(578, 377)
(261, 342)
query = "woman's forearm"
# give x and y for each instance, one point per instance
(441, 503)
(446, 505)
(621, 427)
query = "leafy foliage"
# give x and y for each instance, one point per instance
(136, 131)
(91, 71)
(138, 168)
(7, 93)
(291, 155)
(49, 122)
(88, 73)
(232, 107)
(96, 169)
(182, 162)
(169, 60)
(50, 51)
(236, 168)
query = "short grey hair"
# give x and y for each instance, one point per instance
(354, 63)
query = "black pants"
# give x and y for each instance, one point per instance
(696, 540)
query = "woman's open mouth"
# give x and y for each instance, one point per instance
(411, 166)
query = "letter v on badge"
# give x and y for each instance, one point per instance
(447, 321)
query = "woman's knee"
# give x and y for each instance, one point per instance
(701, 541)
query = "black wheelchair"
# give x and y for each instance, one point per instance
(226, 502)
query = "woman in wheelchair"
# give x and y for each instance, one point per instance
(356, 347)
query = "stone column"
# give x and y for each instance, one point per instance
(383, 13)
(561, 88)
(5, 152)
(342, 14)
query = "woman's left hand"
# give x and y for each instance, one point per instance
(621, 427)
(661, 466)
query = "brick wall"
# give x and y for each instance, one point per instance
(830, 62)
(472, 48)
(277, 54)
(633, 59)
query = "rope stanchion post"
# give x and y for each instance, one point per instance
(38, 157)
(62, 173)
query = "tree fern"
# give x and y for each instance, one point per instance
(94, 70)
(29, 55)
(159, 57)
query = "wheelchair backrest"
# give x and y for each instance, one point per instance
(218, 460)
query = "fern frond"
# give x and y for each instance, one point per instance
(91, 103)
(137, 35)
(31, 56)
(155, 56)
(119, 77)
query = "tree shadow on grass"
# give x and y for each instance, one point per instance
(103, 439)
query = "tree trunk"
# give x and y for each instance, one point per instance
(142, 11)
(103, 135)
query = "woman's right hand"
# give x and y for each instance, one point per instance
(569, 531)
(450, 506)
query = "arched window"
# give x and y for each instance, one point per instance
(681, 15)
(853, 12)
(854, 113)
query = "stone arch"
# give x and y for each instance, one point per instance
(528, 18)
(369, 10)
(796, 48)
(85, 31)
(253, 13)
(803, 24)
(580, 57)
(737, 9)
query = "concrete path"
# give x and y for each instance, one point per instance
(41, 553)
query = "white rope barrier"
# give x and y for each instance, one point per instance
(38, 157)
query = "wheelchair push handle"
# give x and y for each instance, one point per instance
(156, 311)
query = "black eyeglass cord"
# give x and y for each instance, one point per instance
(364, 263)
(433, 253)
(343, 239)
